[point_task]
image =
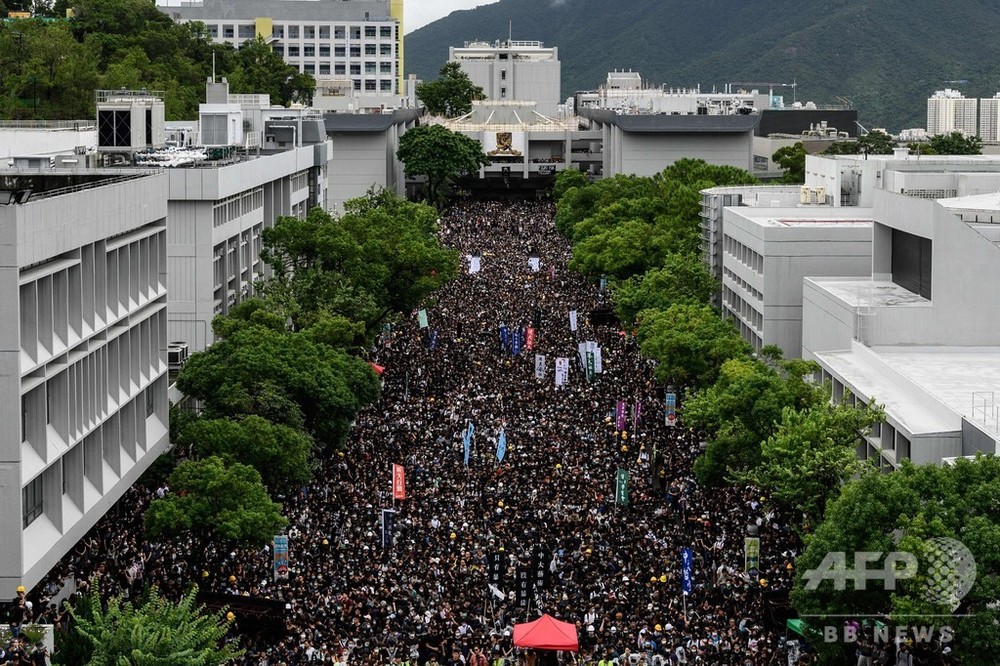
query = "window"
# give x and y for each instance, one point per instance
(369, 67)
(355, 33)
(355, 69)
(279, 49)
(385, 49)
(355, 51)
(385, 32)
(32, 504)
(339, 32)
(324, 68)
(293, 32)
(150, 401)
(247, 32)
(340, 51)
(503, 93)
(340, 68)
(24, 420)
(293, 51)
(227, 32)
(357, 84)
(369, 31)
(309, 51)
(370, 49)
(503, 74)
(309, 68)
(324, 32)
(309, 32)
(385, 85)
(278, 31)
(324, 51)
(385, 68)
(370, 84)
(213, 31)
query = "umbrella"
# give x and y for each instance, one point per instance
(547, 633)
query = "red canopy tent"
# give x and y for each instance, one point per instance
(547, 633)
(379, 369)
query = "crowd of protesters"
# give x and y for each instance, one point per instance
(429, 597)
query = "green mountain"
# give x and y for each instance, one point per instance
(884, 56)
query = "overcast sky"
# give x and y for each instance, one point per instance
(419, 13)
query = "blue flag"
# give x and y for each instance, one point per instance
(687, 571)
(504, 337)
(467, 441)
(501, 445)
(516, 345)
(434, 340)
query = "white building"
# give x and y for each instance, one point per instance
(989, 119)
(360, 40)
(513, 71)
(950, 111)
(83, 356)
(46, 137)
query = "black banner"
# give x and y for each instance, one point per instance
(540, 569)
(496, 569)
(388, 528)
(524, 586)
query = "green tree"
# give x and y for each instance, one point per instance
(381, 258)
(567, 179)
(153, 631)
(440, 155)
(286, 378)
(956, 143)
(682, 278)
(579, 203)
(743, 408)
(282, 455)
(689, 343)
(259, 70)
(211, 500)
(903, 511)
(811, 454)
(793, 160)
(875, 142)
(451, 94)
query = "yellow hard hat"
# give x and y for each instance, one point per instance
(658, 628)
(589, 551)
(204, 574)
(20, 588)
(653, 579)
(500, 503)
(453, 535)
(326, 542)
(624, 435)
(230, 616)
(663, 578)
(624, 449)
(232, 579)
(558, 466)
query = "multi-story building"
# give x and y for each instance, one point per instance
(359, 40)
(950, 111)
(989, 119)
(83, 355)
(513, 71)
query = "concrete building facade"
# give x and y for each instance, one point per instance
(989, 118)
(513, 71)
(357, 40)
(83, 357)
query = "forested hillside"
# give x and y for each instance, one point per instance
(885, 56)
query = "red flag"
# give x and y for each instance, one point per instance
(398, 482)
(530, 342)
(379, 369)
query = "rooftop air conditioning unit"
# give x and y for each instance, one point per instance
(177, 355)
(804, 194)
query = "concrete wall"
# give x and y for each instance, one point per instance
(645, 154)
(27, 141)
(827, 322)
(361, 160)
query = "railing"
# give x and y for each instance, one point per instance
(70, 189)
(103, 96)
(985, 410)
(48, 124)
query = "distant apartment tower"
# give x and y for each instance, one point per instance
(950, 111)
(513, 71)
(356, 40)
(83, 355)
(989, 119)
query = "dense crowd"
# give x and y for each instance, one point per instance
(614, 570)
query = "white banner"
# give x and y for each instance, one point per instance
(473, 264)
(562, 371)
(572, 320)
(539, 366)
(581, 349)
(598, 368)
(535, 264)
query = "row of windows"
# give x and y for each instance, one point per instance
(249, 31)
(236, 265)
(737, 306)
(123, 433)
(324, 50)
(743, 283)
(743, 254)
(237, 206)
(100, 283)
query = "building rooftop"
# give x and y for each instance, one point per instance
(863, 292)
(662, 123)
(928, 388)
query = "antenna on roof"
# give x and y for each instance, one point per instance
(510, 32)
(213, 66)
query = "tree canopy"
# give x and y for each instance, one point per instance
(955, 143)
(688, 342)
(904, 511)
(439, 154)
(287, 378)
(211, 500)
(682, 278)
(875, 142)
(793, 160)
(451, 94)
(150, 631)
